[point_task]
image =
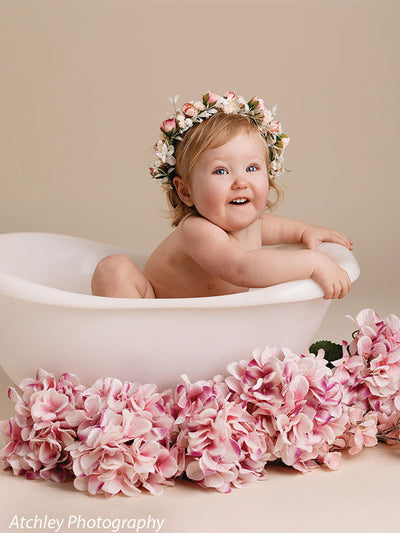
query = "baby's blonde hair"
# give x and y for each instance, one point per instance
(211, 133)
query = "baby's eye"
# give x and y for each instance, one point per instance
(220, 171)
(251, 168)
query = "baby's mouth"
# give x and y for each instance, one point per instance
(239, 201)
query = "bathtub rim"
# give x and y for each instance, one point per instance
(22, 289)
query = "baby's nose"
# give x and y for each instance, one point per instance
(240, 181)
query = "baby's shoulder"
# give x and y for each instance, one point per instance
(196, 227)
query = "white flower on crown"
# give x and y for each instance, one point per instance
(230, 106)
(180, 119)
(165, 152)
(199, 106)
(244, 106)
(267, 117)
(276, 165)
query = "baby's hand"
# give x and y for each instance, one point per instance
(331, 277)
(314, 235)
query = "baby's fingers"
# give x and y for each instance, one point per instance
(337, 290)
(345, 286)
(342, 239)
(329, 291)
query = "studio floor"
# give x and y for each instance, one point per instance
(360, 497)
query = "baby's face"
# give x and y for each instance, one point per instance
(229, 184)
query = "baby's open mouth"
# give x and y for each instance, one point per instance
(240, 201)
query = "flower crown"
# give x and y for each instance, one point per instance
(192, 113)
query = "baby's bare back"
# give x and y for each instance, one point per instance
(174, 274)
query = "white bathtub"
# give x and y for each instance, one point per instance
(49, 319)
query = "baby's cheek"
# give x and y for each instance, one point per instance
(213, 198)
(208, 205)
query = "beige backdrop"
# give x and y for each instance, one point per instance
(85, 84)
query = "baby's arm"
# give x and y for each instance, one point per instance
(281, 230)
(215, 251)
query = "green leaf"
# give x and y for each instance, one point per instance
(332, 350)
(252, 104)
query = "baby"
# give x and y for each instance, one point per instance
(218, 159)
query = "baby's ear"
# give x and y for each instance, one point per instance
(183, 191)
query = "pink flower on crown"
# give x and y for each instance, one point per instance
(189, 109)
(229, 104)
(212, 97)
(168, 125)
(274, 127)
(260, 103)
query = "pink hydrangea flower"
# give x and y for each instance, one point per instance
(297, 399)
(363, 434)
(383, 379)
(375, 336)
(258, 381)
(370, 374)
(370, 365)
(351, 371)
(124, 439)
(112, 460)
(333, 460)
(388, 418)
(222, 444)
(38, 434)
